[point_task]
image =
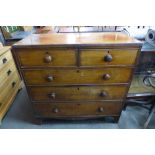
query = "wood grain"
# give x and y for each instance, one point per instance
(91, 39)
(36, 57)
(4, 49)
(7, 87)
(10, 81)
(7, 56)
(77, 93)
(75, 65)
(95, 57)
(77, 109)
(6, 72)
(76, 76)
(6, 103)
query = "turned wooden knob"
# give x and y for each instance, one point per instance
(103, 94)
(108, 58)
(48, 58)
(55, 110)
(49, 78)
(52, 95)
(100, 109)
(106, 76)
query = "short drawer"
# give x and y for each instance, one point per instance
(77, 93)
(5, 59)
(79, 76)
(77, 109)
(101, 57)
(46, 57)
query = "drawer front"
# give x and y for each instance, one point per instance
(9, 88)
(79, 76)
(7, 71)
(47, 58)
(5, 59)
(77, 93)
(78, 109)
(101, 57)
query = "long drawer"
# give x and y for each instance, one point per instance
(79, 76)
(76, 109)
(47, 57)
(5, 59)
(101, 57)
(77, 93)
(7, 71)
(9, 88)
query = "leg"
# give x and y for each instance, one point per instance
(21, 86)
(150, 116)
(124, 107)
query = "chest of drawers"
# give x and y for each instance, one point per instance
(10, 81)
(77, 75)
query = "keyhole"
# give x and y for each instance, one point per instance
(78, 88)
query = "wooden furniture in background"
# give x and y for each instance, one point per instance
(10, 81)
(77, 75)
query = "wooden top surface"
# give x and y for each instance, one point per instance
(85, 39)
(4, 49)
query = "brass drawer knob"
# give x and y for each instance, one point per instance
(108, 58)
(48, 58)
(52, 95)
(106, 76)
(4, 60)
(49, 78)
(55, 110)
(103, 94)
(101, 109)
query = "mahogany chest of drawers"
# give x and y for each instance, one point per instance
(10, 81)
(77, 75)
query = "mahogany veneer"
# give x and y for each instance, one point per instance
(77, 75)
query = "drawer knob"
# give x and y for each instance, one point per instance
(103, 94)
(55, 110)
(106, 76)
(52, 95)
(101, 109)
(9, 72)
(4, 60)
(49, 78)
(48, 59)
(13, 84)
(108, 58)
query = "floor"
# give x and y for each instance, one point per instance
(20, 116)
